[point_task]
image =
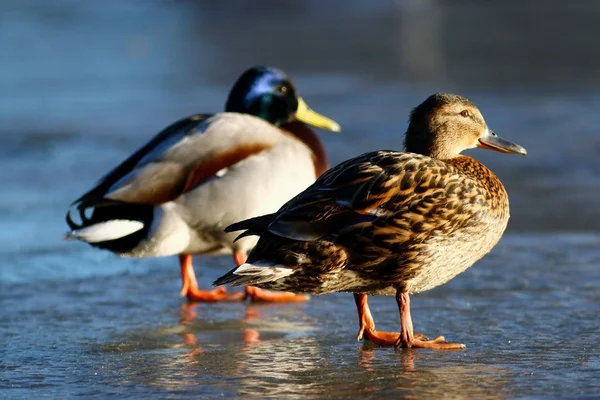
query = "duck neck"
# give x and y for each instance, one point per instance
(310, 138)
(430, 140)
(440, 153)
(439, 149)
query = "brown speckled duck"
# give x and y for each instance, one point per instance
(388, 223)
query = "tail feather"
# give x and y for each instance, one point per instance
(252, 226)
(105, 231)
(74, 225)
(115, 226)
(251, 274)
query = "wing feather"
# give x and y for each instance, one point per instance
(183, 156)
(379, 188)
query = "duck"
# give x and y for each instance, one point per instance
(388, 223)
(175, 194)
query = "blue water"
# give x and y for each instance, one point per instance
(83, 85)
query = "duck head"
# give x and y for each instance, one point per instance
(444, 125)
(269, 93)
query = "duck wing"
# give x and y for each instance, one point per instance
(181, 157)
(389, 192)
(172, 134)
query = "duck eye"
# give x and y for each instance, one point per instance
(283, 89)
(465, 113)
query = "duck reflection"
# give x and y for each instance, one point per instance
(270, 347)
(367, 358)
(421, 374)
(279, 351)
(189, 315)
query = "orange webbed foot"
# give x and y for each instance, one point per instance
(380, 338)
(212, 296)
(419, 341)
(267, 296)
(439, 343)
(406, 338)
(190, 289)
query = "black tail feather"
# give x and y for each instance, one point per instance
(115, 210)
(253, 226)
(72, 224)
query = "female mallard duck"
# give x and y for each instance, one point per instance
(175, 195)
(388, 222)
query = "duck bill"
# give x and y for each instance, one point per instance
(491, 141)
(308, 116)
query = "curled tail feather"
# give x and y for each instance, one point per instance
(118, 227)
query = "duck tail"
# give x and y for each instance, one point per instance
(253, 274)
(115, 226)
(272, 259)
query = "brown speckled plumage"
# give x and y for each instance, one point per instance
(389, 222)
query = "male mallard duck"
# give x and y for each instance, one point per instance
(388, 222)
(175, 195)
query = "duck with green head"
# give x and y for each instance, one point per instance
(175, 194)
(388, 223)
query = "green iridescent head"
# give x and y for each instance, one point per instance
(269, 93)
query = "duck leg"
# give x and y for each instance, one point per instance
(261, 295)
(367, 324)
(189, 287)
(406, 337)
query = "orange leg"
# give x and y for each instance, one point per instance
(261, 295)
(367, 324)
(406, 337)
(190, 288)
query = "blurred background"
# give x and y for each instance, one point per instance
(83, 84)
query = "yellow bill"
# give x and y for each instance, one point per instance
(308, 116)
